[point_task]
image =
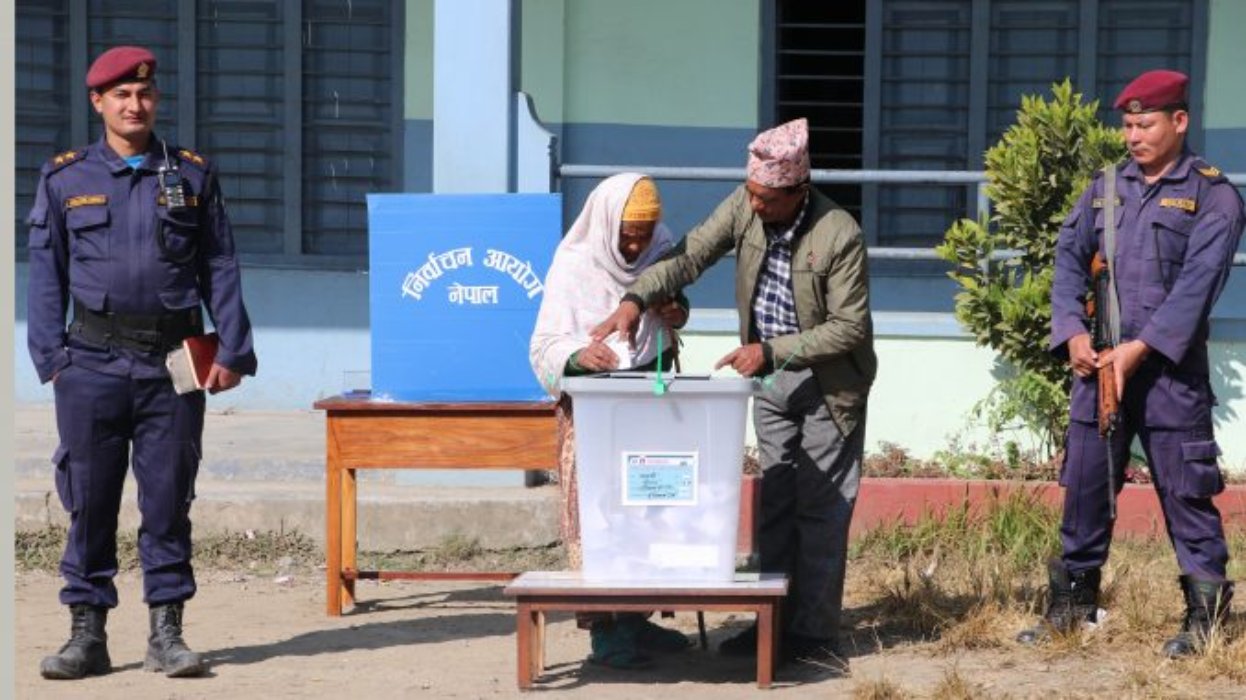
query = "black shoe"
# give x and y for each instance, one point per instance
(1206, 607)
(166, 651)
(742, 644)
(1073, 601)
(86, 652)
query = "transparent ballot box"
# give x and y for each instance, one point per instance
(659, 462)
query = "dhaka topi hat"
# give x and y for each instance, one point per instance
(780, 157)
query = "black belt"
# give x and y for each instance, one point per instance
(141, 332)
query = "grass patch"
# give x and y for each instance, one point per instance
(268, 552)
(1017, 528)
(456, 555)
(954, 686)
(879, 689)
(41, 550)
(971, 579)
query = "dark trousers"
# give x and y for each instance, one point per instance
(99, 416)
(810, 476)
(1186, 475)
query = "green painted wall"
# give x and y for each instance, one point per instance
(1226, 54)
(542, 51)
(643, 62)
(418, 63)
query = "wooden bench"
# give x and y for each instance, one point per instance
(362, 433)
(539, 592)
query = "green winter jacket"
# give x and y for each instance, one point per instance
(830, 283)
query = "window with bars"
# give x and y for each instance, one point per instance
(298, 103)
(820, 75)
(347, 150)
(42, 45)
(941, 81)
(239, 71)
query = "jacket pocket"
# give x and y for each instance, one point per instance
(178, 233)
(64, 483)
(1200, 472)
(89, 228)
(1172, 235)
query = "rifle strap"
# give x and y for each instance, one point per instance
(1109, 251)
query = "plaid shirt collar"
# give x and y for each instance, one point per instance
(785, 236)
(774, 305)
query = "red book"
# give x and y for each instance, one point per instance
(190, 364)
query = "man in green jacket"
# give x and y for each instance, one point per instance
(802, 292)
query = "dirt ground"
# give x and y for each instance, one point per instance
(269, 637)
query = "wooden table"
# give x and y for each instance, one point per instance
(362, 433)
(539, 592)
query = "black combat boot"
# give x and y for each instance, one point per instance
(86, 652)
(1074, 600)
(1206, 606)
(166, 651)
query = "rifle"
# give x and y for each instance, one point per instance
(1109, 409)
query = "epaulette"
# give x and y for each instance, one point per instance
(1208, 171)
(190, 156)
(63, 159)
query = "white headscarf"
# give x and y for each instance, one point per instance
(586, 282)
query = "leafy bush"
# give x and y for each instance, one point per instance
(1004, 264)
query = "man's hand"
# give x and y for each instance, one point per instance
(1082, 357)
(748, 360)
(221, 378)
(624, 321)
(1125, 359)
(596, 357)
(672, 314)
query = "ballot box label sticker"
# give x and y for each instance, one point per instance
(660, 478)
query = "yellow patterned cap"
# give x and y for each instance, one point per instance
(643, 204)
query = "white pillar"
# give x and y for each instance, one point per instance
(475, 66)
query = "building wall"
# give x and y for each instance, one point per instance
(693, 100)
(1225, 96)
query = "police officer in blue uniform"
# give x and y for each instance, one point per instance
(1175, 223)
(132, 233)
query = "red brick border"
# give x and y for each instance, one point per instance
(886, 501)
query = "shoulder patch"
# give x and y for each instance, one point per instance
(1208, 171)
(192, 157)
(61, 160)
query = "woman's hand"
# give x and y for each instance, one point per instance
(596, 357)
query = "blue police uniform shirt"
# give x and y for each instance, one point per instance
(101, 233)
(1174, 249)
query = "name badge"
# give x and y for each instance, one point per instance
(86, 200)
(1178, 203)
(1098, 202)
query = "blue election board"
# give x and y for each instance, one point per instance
(455, 282)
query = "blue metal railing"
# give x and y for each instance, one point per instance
(856, 177)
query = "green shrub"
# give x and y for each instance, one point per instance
(1034, 176)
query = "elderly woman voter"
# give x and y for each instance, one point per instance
(616, 236)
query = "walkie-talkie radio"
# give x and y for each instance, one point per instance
(172, 187)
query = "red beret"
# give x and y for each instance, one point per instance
(1153, 90)
(121, 63)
